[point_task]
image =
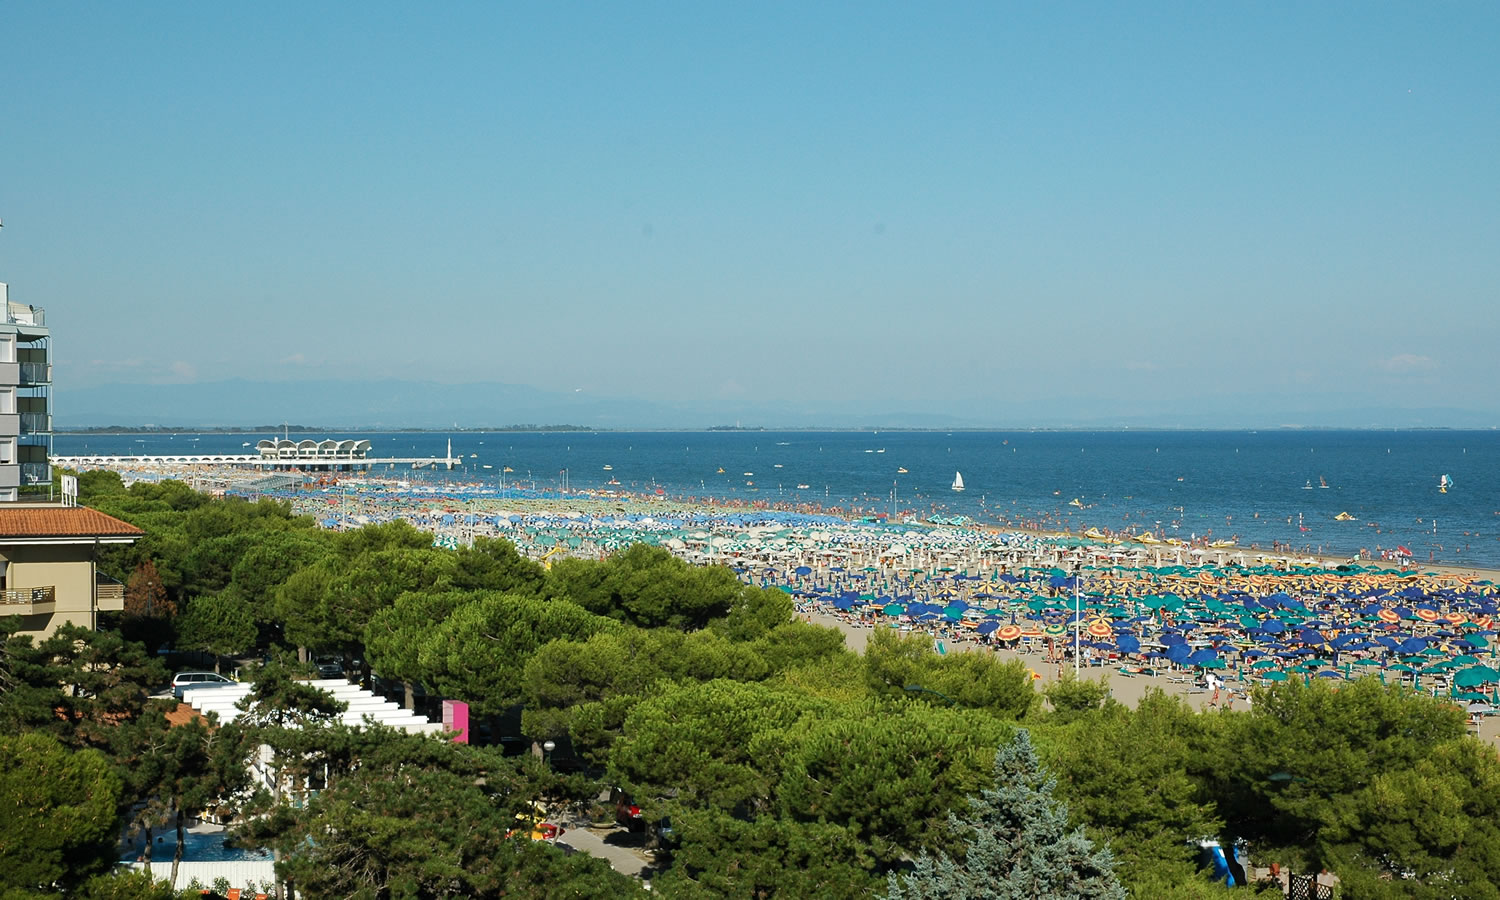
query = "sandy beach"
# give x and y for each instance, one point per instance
(1127, 689)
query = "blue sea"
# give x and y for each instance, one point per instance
(1254, 487)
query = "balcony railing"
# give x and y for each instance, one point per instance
(109, 594)
(27, 601)
(36, 473)
(35, 423)
(21, 314)
(36, 373)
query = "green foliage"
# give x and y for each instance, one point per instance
(329, 604)
(723, 856)
(1340, 779)
(895, 662)
(649, 587)
(478, 652)
(1018, 845)
(278, 700)
(129, 885)
(394, 635)
(888, 774)
(407, 816)
(222, 624)
(95, 682)
(57, 813)
(1070, 697)
(494, 564)
(718, 744)
(1136, 778)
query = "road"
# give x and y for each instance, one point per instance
(619, 847)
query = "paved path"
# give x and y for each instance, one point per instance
(619, 847)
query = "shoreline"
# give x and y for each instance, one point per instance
(483, 495)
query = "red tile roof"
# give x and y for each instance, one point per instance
(61, 521)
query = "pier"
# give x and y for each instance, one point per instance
(283, 454)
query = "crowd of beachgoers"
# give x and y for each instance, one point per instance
(1204, 619)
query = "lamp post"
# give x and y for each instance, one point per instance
(547, 748)
(1077, 625)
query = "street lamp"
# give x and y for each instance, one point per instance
(547, 748)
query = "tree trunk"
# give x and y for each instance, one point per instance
(411, 695)
(301, 654)
(177, 856)
(148, 851)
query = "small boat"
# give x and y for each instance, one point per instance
(1222, 545)
(1343, 517)
(881, 450)
(609, 468)
(1322, 482)
(1307, 487)
(1095, 534)
(1147, 538)
(1076, 502)
(473, 456)
(777, 466)
(748, 474)
(802, 487)
(900, 471)
(721, 470)
(1444, 483)
(246, 444)
(507, 469)
(488, 466)
(958, 482)
(613, 481)
(749, 484)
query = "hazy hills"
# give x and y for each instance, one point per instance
(395, 403)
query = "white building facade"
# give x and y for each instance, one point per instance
(25, 398)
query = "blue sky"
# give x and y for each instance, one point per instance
(862, 207)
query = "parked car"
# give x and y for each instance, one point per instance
(183, 682)
(627, 812)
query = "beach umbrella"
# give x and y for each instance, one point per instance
(1128, 643)
(1274, 675)
(894, 609)
(1476, 675)
(1008, 632)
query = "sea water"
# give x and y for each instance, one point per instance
(1255, 487)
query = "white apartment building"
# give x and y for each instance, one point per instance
(25, 398)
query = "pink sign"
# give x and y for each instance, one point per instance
(456, 718)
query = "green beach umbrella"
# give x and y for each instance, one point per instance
(1476, 675)
(1274, 675)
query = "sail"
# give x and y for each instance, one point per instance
(958, 481)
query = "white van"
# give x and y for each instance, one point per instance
(183, 682)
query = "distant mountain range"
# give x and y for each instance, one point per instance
(411, 404)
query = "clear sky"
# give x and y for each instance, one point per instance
(869, 206)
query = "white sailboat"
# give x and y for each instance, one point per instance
(958, 481)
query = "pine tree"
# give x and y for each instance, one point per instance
(1019, 846)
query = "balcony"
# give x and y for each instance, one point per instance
(21, 314)
(28, 601)
(109, 594)
(36, 473)
(35, 373)
(36, 423)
